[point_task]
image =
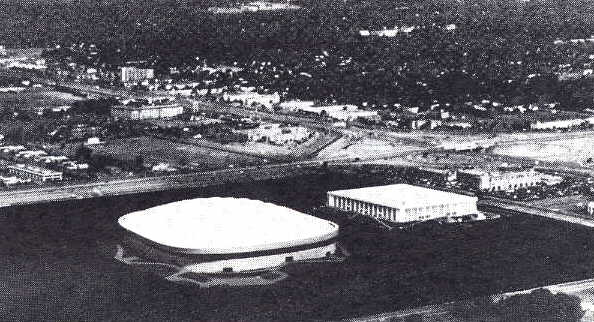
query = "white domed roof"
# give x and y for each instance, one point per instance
(227, 225)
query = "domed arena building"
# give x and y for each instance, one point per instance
(228, 235)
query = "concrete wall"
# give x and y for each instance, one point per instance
(260, 262)
(423, 210)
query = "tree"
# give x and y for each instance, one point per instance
(83, 153)
(541, 305)
(139, 162)
(537, 306)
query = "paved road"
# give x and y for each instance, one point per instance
(545, 137)
(521, 208)
(380, 134)
(163, 183)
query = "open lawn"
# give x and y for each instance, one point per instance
(574, 204)
(157, 150)
(573, 150)
(36, 99)
(362, 148)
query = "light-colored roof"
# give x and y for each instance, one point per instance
(402, 195)
(227, 225)
(145, 107)
(34, 170)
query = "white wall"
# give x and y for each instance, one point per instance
(260, 262)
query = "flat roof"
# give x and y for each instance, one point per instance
(34, 170)
(227, 225)
(145, 107)
(402, 195)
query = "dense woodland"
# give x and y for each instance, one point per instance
(476, 61)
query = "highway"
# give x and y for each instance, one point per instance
(521, 208)
(546, 137)
(316, 123)
(163, 183)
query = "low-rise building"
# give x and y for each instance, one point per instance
(131, 74)
(93, 141)
(295, 105)
(345, 112)
(36, 174)
(557, 124)
(73, 166)
(253, 98)
(53, 159)
(423, 123)
(591, 208)
(436, 174)
(466, 146)
(11, 181)
(145, 112)
(326, 110)
(30, 155)
(277, 134)
(500, 180)
(9, 150)
(403, 203)
(353, 115)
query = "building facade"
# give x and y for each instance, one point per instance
(401, 203)
(146, 112)
(253, 98)
(560, 124)
(295, 105)
(436, 174)
(131, 74)
(339, 112)
(499, 180)
(208, 236)
(35, 174)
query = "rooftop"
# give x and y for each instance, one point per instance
(34, 169)
(227, 225)
(146, 106)
(399, 195)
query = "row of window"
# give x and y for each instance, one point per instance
(511, 186)
(389, 213)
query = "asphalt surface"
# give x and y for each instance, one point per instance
(166, 182)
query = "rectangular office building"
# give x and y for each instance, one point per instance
(403, 203)
(131, 74)
(500, 180)
(35, 174)
(146, 112)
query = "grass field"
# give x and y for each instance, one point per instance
(572, 150)
(361, 148)
(575, 204)
(36, 98)
(158, 150)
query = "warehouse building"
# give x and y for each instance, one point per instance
(401, 203)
